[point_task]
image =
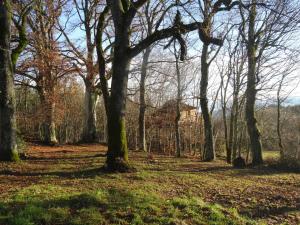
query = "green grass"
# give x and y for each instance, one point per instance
(48, 204)
(271, 155)
(64, 185)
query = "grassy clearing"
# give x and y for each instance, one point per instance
(63, 185)
(47, 204)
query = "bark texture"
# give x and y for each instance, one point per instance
(278, 127)
(178, 103)
(90, 119)
(253, 131)
(117, 155)
(142, 109)
(8, 146)
(48, 128)
(209, 151)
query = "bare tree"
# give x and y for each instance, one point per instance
(85, 60)
(178, 103)
(261, 37)
(123, 14)
(151, 19)
(209, 9)
(44, 65)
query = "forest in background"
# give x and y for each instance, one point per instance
(77, 64)
(149, 112)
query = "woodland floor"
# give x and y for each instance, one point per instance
(64, 185)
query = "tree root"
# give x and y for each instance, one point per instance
(118, 166)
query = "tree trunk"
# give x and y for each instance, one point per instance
(224, 107)
(178, 102)
(209, 151)
(142, 136)
(233, 125)
(278, 127)
(48, 136)
(117, 155)
(253, 132)
(234, 119)
(49, 126)
(8, 146)
(227, 138)
(90, 102)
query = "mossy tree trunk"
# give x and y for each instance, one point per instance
(253, 132)
(8, 146)
(117, 155)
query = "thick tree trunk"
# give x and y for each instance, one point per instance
(89, 127)
(117, 155)
(48, 135)
(253, 132)
(8, 146)
(142, 136)
(209, 151)
(49, 126)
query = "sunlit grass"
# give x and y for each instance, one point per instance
(271, 155)
(65, 185)
(49, 204)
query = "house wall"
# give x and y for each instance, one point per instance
(189, 116)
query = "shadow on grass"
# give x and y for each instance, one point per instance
(34, 158)
(90, 173)
(190, 169)
(262, 171)
(93, 172)
(261, 212)
(111, 206)
(201, 167)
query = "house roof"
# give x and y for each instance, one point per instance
(171, 106)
